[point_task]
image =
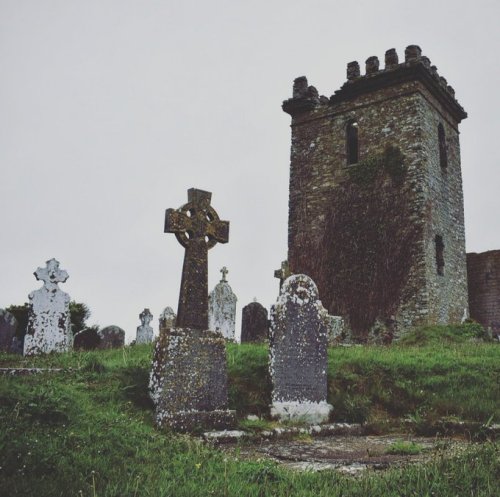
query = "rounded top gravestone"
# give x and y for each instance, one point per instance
(112, 337)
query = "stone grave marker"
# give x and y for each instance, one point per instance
(283, 273)
(188, 383)
(167, 319)
(112, 337)
(298, 353)
(87, 339)
(254, 323)
(8, 328)
(222, 308)
(144, 331)
(48, 316)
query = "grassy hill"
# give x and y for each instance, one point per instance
(88, 431)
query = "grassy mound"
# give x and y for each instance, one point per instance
(88, 431)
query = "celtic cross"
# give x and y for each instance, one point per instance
(198, 228)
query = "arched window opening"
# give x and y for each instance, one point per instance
(352, 144)
(443, 153)
(439, 255)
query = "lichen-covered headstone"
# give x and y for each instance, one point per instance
(167, 319)
(254, 323)
(8, 327)
(87, 339)
(298, 353)
(112, 337)
(48, 317)
(188, 382)
(222, 308)
(144, 331)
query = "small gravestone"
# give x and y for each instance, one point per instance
(8, 328)
(336, 330)
(282, 273)
(48, 317)
(298, 353)
(112, 337)
(144, 331)
(188, 382)
(87, 339)
(254, 323)
(222, 308)
(167, 319)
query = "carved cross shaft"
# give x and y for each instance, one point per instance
(197, 228)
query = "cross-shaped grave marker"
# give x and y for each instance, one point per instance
(51, 275)
(198, 228)
(224, 272)
(283, 273)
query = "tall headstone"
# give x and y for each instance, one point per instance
(48, 318)
(8, 328)
(298, 353)
(144, 331)
(112, 337)
(254, 323)
(222, 308)
(188, 382)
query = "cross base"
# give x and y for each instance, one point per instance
(189, 380)
(198, 421)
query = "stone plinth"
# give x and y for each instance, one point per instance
(222, 308)
(298, 353)
(48, 318)
(112, 337)
(254, 323)
(8, 327)
(188, 382)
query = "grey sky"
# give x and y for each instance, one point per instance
(112, 109)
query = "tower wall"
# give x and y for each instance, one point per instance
(366, 232)
(484, 288)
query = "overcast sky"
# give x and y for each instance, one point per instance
(111, 109)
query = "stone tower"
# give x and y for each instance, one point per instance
(376, 203)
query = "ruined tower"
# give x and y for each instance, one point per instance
(376, 203)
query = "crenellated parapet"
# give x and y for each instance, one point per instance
(415, 67)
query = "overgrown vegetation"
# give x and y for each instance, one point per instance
(367, 243)
(88, 431)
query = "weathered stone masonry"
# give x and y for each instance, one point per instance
(484, 288)
(415, 221)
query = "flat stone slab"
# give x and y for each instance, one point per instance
(234, 436)
(29, 371)
(348, 454)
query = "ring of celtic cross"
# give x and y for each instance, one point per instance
(202, 224)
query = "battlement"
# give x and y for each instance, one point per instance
(415, 67)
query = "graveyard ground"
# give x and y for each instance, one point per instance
(87, 430)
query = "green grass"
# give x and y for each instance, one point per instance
(402, 447)
(88, 431)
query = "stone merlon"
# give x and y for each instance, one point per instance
(415, 67)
